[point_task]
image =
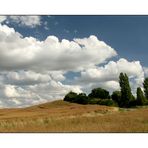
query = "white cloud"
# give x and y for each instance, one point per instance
(45, 63)
(33, 71)
(108, 85)
(94, 47)
(30, 21)
(146, 71)
(24, 77)
(50, 54)
(21, 96)
(54, 89)
(108, 75)
(2, 18)
(57, 75)
(112, 70)
(10, 91)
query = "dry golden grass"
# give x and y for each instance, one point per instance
(59, 116)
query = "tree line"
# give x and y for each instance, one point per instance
(122, 98)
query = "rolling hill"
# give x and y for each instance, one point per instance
(60, 116)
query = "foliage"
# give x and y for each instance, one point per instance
(116, 96)
(140, 97)
(146, 102)
(126, 95)
(123, 98)
(145, 85)
(93, 101)
(99, 93)
(81, 98)
(76, 98)
(107, 102)
(132, 103)
(70, 97)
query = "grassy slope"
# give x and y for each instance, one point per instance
(60, 116)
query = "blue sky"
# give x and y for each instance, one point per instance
(44, 57)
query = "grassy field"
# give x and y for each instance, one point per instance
(60, 116)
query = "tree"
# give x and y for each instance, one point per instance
(126, 95)
(107, 102)
(76, 98)
(145, 85)
(116, 96)
(140, 97)
(70, 97)
(99, 93)
(81, 98)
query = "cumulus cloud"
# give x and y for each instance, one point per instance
(24, 88)
(51, 53)
(112, 70)
(108, 85)
(146, 71)
(10, 91)
(21, 96)
(14, 96)
(54, 89)
(57, 75)
(33, 71)
(108, 75)
(29, 21)
(2, 18)
(24, 77)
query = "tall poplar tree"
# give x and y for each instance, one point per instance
(140, 97)
(145, 85)
(126, 95)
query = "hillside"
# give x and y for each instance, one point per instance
(60, 116)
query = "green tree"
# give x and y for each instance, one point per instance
(82, 98)
(140, 97)
(73, 97)
(116, 96)
(99, 93)
(126, 95)
(145, 85)
(70, 97)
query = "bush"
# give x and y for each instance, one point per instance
(146, 102)
(107, 102)
(93, 101)
(76, 98)
(132, 103)
(116, 96)
(123, 98)
(70, 97)
(99, 93)
(81, 99)
(140, 97)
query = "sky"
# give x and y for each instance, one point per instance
(44, 57)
